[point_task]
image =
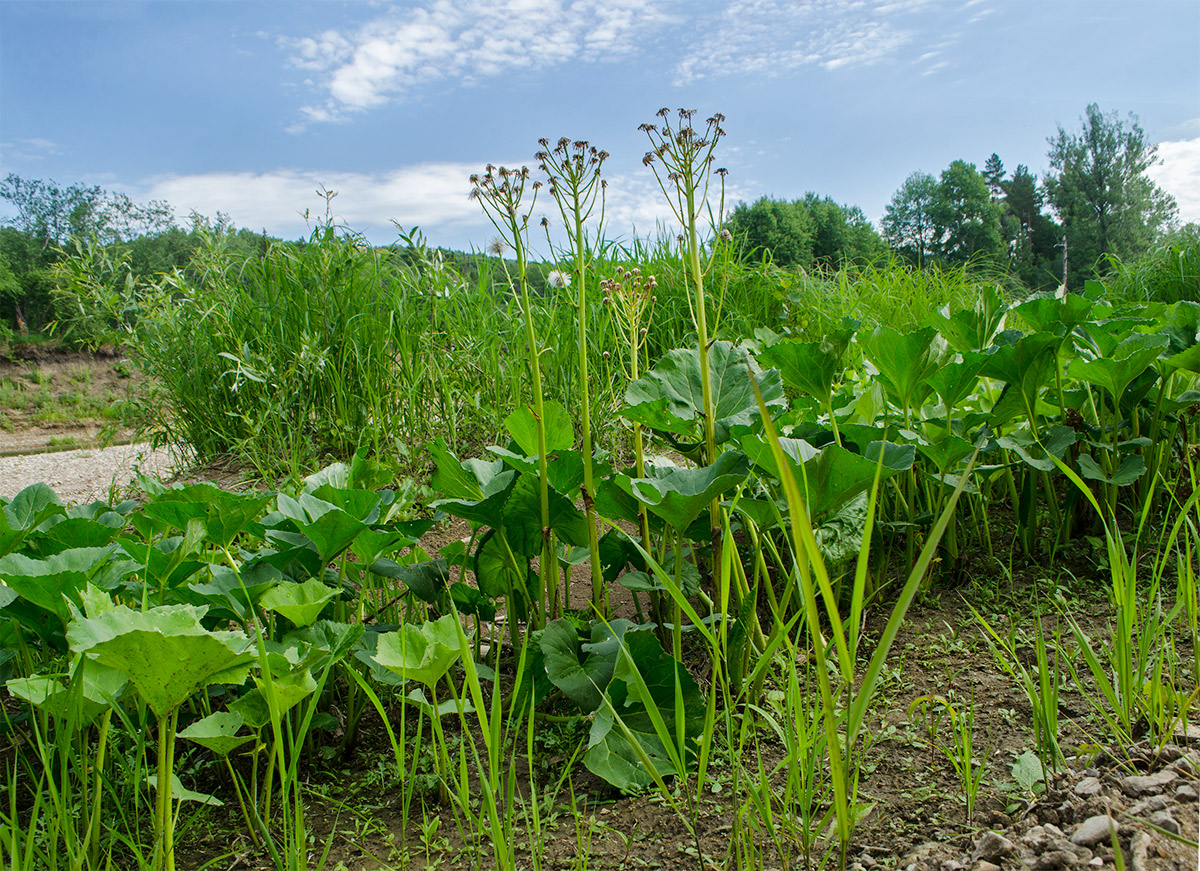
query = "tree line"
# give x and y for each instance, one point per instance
(1093, 207)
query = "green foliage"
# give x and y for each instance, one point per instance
(966, 221)
(811, 233)
(908, 223)
(1099, 188)
(1169, 272)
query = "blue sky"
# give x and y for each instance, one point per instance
(248, 107)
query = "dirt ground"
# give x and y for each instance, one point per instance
(911, 801)
(53, 399)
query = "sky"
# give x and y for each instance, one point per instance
(250, 108)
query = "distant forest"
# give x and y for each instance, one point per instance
(1094, 208)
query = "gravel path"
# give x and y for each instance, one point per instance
(84, 475)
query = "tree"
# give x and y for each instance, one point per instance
(1032, 236)
(993, 175)
(53, 214)
(907, 223)
(781, 229)
(841, 234)
(1099, 188)
(966, 220)
(814, 231)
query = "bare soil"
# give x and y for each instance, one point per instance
(51, 398)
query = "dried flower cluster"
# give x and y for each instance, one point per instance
(630, 296)
(500, 191)
(681, 157)
(572, 171)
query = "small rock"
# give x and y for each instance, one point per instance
(1094, 830)
(1091, 772)
(1088, 786)
(1143, 784)
(981, 865)
(952, 865)
(1036, 839)
(993, 847)
(1165, 821)
(1185, 793)
(1187, 733)
(1056, 859)
(1189, 764)
(1047, 816)
(1096, 862)
(1139, 847)
(1149, 805)
(1054, 831)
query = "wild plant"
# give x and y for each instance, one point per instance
(573, 170)
(960, 748)
(1041, 683)
(845, 704)
(682, 160)
(501, 192)
(1135, 652)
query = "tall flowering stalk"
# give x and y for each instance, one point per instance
(630, 296)
(681, 158)
(573, 170)
(500, 192)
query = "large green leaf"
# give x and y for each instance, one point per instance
(1128, 360)
(1050, 313)
(670, 397)
(810, 367)
(426, 580)
(582, 671)
(165, 652)
(680, 494)
(476, 489)
(422, 653)
(329, 528)
(498, 569)
(974, 329)
(955, 380)
(98, 690)
(288, 686)
(49, 587)
(27, 510)
(1132, 467)
(1026, 364)
(645, 678)
(560, 433)
(1055, 440)
(832, 476)
(564, 469)
(300, 603)
(217, 732)
(904, 362)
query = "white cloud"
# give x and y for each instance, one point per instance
(429, 195)
(433, 196)
(28, 149)
(463, 40)
(1179, 175)
(769, 37)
